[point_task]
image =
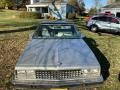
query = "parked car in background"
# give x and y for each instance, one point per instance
(57, 56)
(104, 23)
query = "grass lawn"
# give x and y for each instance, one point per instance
(10, 21)
(105, 46)
(107, 50)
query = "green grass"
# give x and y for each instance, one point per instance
(107, 49)
(10, 21)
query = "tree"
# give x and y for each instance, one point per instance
(117, 0)
(92, 11)
(81, 5)
(25, 2)
(78, 4)
(6, 3)
(98, 5)
(72, 2)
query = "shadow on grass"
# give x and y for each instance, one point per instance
(100, 33)
(18, 30)
(105, 65)
(1, 10)
(119, 77)
(82, 27)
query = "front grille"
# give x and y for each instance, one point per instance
(58, 75)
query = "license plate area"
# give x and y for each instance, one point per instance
(58, 89)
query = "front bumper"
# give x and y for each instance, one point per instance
(51, 84)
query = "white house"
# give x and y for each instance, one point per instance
(38, 6)
(45, 7)
(112, 8)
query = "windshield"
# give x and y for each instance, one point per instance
(56, 31)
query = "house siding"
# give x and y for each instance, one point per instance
(111, 10)
(63, 7)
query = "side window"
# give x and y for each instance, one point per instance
(103, 18)
(95, 18)
(42, 32)
(108, 19)
(45, 32)
(114, 20)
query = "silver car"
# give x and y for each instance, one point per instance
(105, 23)
(57, 56)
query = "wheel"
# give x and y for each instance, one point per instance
(93, 28)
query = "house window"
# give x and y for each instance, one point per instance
(37, 0)
(30, 9)
(37, 9)
(45, 10)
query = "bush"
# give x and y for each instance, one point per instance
(71, 15)
(22, 9)
(32, 15)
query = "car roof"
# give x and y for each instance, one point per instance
(57, 22)
(105, 16)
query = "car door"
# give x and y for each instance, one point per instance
(104, 23)
(115, 25)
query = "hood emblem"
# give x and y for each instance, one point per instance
(59, 64)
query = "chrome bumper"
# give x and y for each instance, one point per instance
(51, 84)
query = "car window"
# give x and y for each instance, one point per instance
(114, 20)
(100, 18)
(103, 18)
(56, 31)
(95, 18)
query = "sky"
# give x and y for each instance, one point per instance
(90, 3)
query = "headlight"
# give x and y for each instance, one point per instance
(85, 71)
(91, 72)
(21, 74)
(25, 74)
(30, 74)
(94, 70)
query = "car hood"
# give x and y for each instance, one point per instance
(57, 53)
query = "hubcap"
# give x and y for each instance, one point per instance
(93, 28)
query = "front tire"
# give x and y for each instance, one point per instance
(94, 28)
